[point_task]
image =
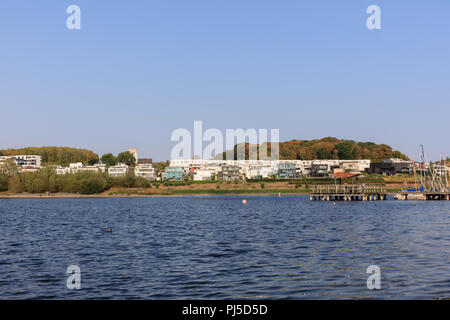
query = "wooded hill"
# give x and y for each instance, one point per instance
(330, 148)
(56, 155)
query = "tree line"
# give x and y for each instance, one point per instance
(56, 155)
(326, 148)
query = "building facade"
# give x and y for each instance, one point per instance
(146, 171)
(118, 170)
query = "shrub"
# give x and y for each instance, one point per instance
(91, 186)
(3, 182)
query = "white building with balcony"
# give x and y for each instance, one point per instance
(119, 170)
(146, 171)
(24, 160)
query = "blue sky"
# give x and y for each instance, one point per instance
(137, 70)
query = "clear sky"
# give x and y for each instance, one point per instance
(137, 70)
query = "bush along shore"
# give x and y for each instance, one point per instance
(48, 184)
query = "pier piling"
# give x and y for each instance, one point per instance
(353, 192)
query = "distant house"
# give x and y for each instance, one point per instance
(75, 167)
(201, 175)
(119, 170)
(61, 170)
(391, 167)
(146, 171)
(259, 171)
(24, 160)
(320, 170)
(101, 167)
(173, 173)
(230, 172)
(287, 171)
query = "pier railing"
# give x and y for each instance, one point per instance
(331, 189)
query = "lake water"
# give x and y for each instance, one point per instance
(214, 247)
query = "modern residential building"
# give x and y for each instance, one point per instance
(320, 170)
(391, 167)
(287, 171)
(101, 167)
(230, 172)
(146, 171)
(61, 170)
(259, 171)
(75, 167)
(173, 173)
(119, 170)
(24, 160)
(201, 175)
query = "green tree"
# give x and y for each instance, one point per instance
(127, 158)
(109, 159)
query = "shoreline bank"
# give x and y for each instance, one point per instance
(136, 194)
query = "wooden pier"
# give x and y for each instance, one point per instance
(405, 195)
(352, 192)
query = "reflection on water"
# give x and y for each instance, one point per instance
(214, 247)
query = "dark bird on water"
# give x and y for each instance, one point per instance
(109, 231)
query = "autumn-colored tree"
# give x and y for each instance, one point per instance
(328, 148)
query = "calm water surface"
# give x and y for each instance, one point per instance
(214, 247)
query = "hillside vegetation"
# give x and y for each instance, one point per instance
(330, 148)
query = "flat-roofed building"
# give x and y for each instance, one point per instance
(61, 170)
(286, 171)
(24, 160)
(201, 175)
(230, 172)
(146, 171)
(173, 173)
(119, 170)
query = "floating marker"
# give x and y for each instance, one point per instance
(244, 201)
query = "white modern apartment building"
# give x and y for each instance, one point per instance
(61, 170)
(201, 175)
(24, 160)
(75, 167)
(119, 170)
(146, 171)
(260, 171)
(79, 167)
